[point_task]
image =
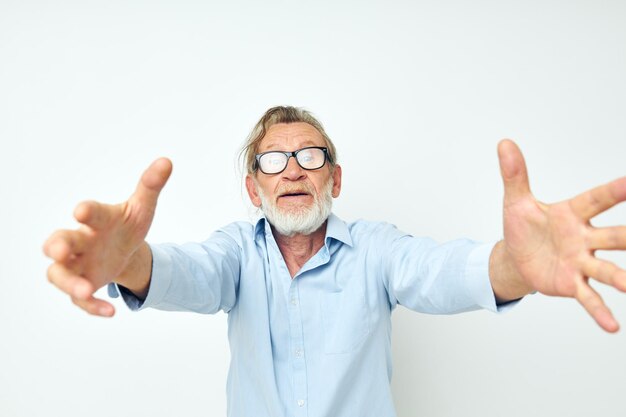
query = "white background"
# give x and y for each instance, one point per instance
(416, 96)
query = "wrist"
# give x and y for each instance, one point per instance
(136, 276)
(506, 281)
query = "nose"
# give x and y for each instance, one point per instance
(294, 171)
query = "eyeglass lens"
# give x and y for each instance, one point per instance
(308, 158)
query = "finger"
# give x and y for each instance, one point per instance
(605, 272)
(513, 171)
(69, 282)
(595, 201)
(64, 243)
(607, 238)
(94, 214)
(152, 182)
(593, 303)
(95, 306)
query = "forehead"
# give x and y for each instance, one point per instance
(289, 137)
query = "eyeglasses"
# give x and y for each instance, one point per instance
(274, 162)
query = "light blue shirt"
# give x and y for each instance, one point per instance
(317, 345)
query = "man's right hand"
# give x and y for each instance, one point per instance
(109, 245)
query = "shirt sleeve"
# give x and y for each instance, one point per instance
(199, 277)
(435, 278)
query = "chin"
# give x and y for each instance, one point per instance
(295, 209)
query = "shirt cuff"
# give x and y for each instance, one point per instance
(479, 284)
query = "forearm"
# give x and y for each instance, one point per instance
(136, 275)
(506, 281)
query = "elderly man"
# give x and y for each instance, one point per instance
(308, 296)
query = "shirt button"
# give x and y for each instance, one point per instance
(300, 403)
(298, 353)
(294, 302)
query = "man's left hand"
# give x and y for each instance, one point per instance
(551, 247)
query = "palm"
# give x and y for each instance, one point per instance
(552, 246)
(545, 241)
(110, 246)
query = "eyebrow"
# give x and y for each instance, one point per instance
(304, 144)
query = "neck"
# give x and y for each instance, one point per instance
(298, 249)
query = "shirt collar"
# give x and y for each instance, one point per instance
(338, 230)
(259, 227)
(335, 229)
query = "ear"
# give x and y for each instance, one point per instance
(336, 181)
(252, 192)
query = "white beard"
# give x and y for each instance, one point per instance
(299, 220)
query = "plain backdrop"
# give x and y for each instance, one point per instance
(416, 96)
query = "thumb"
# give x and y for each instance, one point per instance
(152, 182)
(513, 171)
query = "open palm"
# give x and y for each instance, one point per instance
(553, 246)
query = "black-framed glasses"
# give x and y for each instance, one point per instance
(275, 162)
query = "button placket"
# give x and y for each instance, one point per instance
(298, 359)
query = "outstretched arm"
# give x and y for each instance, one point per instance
(109, 245)
(550, 248)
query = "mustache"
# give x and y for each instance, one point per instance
(296, 188)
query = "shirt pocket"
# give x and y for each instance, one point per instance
(345, 321)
